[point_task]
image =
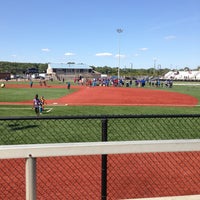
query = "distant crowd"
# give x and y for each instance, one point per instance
(160, 83)
(122, 83)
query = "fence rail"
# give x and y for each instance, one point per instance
(96, 148)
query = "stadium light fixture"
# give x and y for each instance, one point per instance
(119, 30)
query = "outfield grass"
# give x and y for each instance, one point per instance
(21, 94)
(9, 111)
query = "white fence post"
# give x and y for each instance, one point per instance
(31, 178)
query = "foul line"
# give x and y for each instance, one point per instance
(7, 108)
(49, 110)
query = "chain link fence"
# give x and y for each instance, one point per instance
(80, 177)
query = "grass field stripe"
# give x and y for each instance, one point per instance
(49, 110)
(7, 108)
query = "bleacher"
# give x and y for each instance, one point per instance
(183, 75)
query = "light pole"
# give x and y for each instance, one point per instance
(159, 70)
(131, 68)
(119, 30)
(155, 59)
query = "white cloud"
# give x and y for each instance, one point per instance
(69, 54)
(143, 49)
(120, 55)
(136, 55)
(170, 37)
(103, 54)
(45, 49)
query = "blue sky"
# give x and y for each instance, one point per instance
(164, 33)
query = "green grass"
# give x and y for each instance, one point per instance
(193, 90)
(21, 94)
(9, 111)
(64, 130)
(24, 94)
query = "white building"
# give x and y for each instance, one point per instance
(183, 75)
(68, 69)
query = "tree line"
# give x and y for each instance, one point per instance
(21, 68)
(130, 72)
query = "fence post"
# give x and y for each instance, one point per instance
(31, 178)
(104, 161)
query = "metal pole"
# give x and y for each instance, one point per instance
(119, 30)
(31, 178)
(104, 162)
(131, 69)
(155, 66)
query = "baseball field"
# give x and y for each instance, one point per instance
(84, 100)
